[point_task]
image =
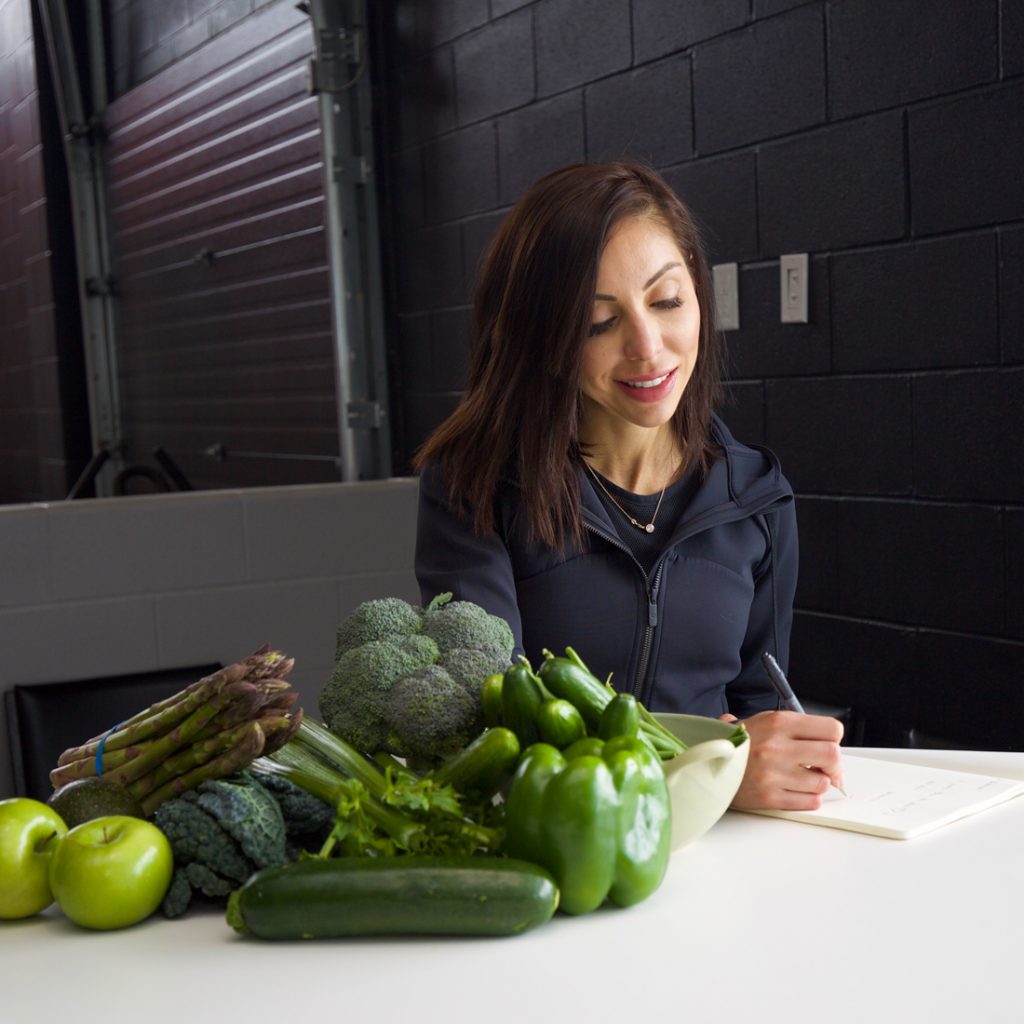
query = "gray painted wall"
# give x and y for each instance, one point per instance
(110, 587)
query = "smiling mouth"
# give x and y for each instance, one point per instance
(652, 382)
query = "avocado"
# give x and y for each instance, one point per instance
(85, 799)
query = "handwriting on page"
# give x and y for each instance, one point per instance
(930, 790)
(900, 800)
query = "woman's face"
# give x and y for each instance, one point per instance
(644, 331)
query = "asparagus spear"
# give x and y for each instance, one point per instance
(265, 669)
(212, 728)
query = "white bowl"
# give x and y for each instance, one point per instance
(703, 779)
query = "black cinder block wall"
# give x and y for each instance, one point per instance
(883, 137)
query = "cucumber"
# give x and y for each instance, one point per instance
(560, 723)
(490, 699)
(521, 699)
(484, 766)
(620, 718)
(406, 895)
(571, 681)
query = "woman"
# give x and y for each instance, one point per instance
(585, 490)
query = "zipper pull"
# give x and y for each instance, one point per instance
(652, 601)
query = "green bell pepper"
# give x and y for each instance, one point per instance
(599, 820)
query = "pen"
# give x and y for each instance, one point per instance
(785, 691)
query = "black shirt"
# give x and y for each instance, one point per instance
(647, 546)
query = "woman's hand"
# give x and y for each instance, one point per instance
(794, 759)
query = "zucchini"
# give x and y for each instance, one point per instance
(405, 895)
(484, 766)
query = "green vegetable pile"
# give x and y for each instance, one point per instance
(407, 680)
(209, 730)
(226, 829)
(383, 808)
(563, 701)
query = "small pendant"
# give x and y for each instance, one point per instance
(649, 527)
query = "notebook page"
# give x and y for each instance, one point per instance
(900, 801)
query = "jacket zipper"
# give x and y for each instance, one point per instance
(651, 587)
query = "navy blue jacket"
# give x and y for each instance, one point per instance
(689, 636)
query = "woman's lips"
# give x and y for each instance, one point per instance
(652, 388)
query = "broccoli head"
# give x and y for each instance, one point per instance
(431, 715)
(352, 700)
(470, 667)
(451, 646)
(462, 625)
(384, 618)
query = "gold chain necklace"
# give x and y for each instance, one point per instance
(646, 527)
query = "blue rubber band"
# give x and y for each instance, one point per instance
(103, 742)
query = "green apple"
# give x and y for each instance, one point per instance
(29, 833)
(111, 872)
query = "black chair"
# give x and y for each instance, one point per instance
(922, 741)
(45, 719)
(853, 725)
(992, 740)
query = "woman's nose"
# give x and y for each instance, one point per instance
(643, 340)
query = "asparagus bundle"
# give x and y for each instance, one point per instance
(211, 729)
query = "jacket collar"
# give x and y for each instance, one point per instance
(743, 481)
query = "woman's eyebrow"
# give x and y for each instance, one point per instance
(647, 284)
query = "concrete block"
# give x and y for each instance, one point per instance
(722, 194)
(460, 174)
(923, 564)
(872, 65)
(644, 114)
(971, 421)
(763, 81)
(1011, 294)
(494, 68)
(842, 435)
(965, 156)
(330, 530)
(930, 304)
(25, 578)
(227, 624)
(537, 139)
(666, 26)
(801, 180)
(142, 544)
(578, 41)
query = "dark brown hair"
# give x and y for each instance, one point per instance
(533, 308)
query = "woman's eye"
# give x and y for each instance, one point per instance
(600, 327)
(672, 303)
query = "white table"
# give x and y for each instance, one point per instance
(760, 920)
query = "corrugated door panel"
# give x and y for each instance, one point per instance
(216, 186)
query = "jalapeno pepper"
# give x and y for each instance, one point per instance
(598, 820)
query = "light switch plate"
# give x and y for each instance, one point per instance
(793, 271)
(727, 295)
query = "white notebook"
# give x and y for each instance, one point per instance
(900, 801)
